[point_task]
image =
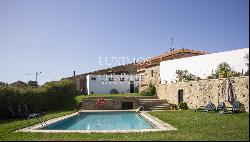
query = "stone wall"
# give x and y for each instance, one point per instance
(146, 77)
(110, 104)
(198, 93)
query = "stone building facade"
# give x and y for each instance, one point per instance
(150, 70)
(198, 93)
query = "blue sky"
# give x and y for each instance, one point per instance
(59, 36)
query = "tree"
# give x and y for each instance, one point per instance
(184, 75)
(247, 60)
(3, 84)
(224, 70)
(247, 64)
(151, 89)
(33, 83)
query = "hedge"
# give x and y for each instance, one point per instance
(50, 96)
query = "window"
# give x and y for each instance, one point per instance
(152, 73)
(111, 79)
(93, 78)
(121, 79)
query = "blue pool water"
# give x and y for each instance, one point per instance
(101, 121)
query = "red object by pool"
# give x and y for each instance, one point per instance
(101, 102)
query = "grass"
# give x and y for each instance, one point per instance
(79, 98)
(191, 126)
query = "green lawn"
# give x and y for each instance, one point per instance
(191, 126)
(79, 98)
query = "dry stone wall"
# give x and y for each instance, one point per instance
(147, 78)
(198, 93)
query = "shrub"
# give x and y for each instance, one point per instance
(183, 106)
(144, 92)
(173, 106)
(3, 84)
(33, 83)
(52, 95)
(184, 75)
(114, 91)
(149, 91)
(224, 70)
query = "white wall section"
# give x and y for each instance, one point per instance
(101, 84)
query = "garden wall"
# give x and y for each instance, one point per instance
(110, 104)
(198, 93)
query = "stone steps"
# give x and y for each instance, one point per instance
(157, 108)
(151, 100)
(154, 104)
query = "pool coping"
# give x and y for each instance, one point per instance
(155, 122)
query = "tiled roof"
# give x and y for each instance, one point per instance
(169, 55)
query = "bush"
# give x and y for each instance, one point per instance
(144, 93)
(114, 91)
(50, 96)
(149, 91)
(173, 106)
(33, 83)
(183, 106)
(3, 84)
(224, 70)
(184, 75)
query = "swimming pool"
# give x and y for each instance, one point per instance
(102, 121)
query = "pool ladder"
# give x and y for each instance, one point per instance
(138, 110)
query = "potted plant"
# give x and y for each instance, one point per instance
(173, 106)
(183, 106)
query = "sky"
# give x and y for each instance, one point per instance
(56, 37)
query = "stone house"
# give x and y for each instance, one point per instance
(149, 71)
